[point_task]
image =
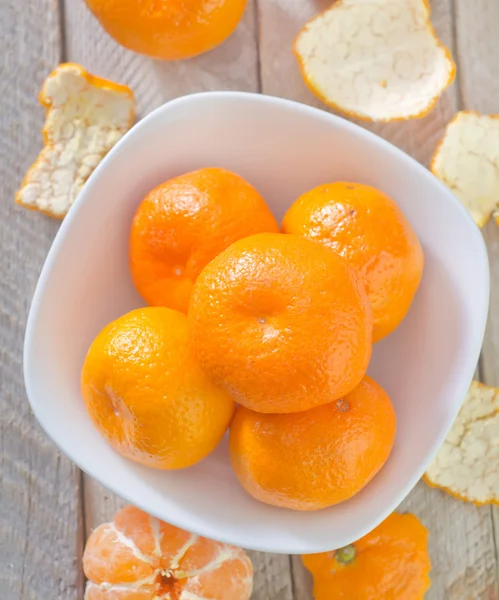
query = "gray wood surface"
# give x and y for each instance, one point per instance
(40, 509)
(477, 30)
(47, 508)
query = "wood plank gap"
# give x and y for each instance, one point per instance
(62, 30)
(83, 509)
(81, 535)
(495, 525)
(27, 534)
(480, 369)
(257, 31)
(455, 53)
(293, 583)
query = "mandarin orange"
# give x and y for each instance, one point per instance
(138, 557)
(366, 228)
(147, 395)
(168, 29)
(390, 563)
(282, 323)
(183, 224)
(315, 458)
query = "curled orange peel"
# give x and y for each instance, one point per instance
(467, 161)
(85, 117)
(466, 464)
(376, 60)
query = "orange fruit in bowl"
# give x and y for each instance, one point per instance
(366, 228)
(138, 557)
(282, 323)
(147, 395)
(316, 458)
(182, 224)
(170, 29)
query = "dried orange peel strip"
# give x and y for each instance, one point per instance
(467, 161)
(466, 464)
(85, 117)
(376, 60)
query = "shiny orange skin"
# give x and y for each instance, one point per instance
(390, 563)
(371, 233)
(315, 458)
(168, 29)
(181, 225)
(147, 395)
(139, 557)
(282, 323)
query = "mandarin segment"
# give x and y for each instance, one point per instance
(204, 553)
(282, 323)
(226, 580)
(193, 567)
(390, 563)
(85, 117)
(377, 60)
(183, 224)
(147, 395)
(465, 465)
(173, 543)
(168, 30)
(467, 161)
(365, 227)
(316, 458)
(216, 570)
(137, 526)
(111, 557)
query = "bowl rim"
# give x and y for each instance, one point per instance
(316, 113)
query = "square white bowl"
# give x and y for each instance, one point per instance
(283, 148)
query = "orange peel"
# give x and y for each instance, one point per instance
(85, 117)
(467, 161)
(466, 464)
(377, 60)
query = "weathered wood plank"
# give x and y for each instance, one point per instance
(272, 577)
(477, 27)
(100, 504)
(461, 536)
(40, 547)
(477, 31)
(461, 545)
(232, 66)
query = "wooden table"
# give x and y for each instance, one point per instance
(47, 506)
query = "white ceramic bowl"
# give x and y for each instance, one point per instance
(284, 149)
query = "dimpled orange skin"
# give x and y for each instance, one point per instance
(147, 395)
(282, 323)
(138, 557)
(316, 458)
(390, 563)
(168, 29)
(369, 230)
(181, 225)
